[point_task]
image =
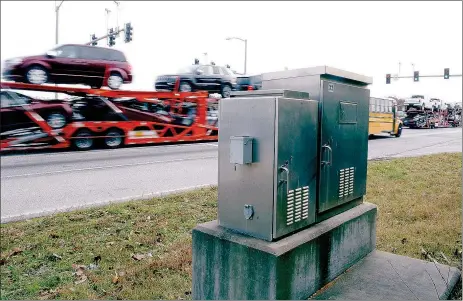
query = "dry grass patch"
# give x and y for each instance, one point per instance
(137, 250)
(142, 250)
(419, 201)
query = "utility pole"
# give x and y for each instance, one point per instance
(399, 67)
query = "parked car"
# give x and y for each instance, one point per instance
(13, 112)
(72, 64)
(210, 78)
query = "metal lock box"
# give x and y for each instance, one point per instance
(240, 150)
(275, 193)
(343, 130)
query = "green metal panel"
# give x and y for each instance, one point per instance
(347, 112)
(296, 155)
(344, 144)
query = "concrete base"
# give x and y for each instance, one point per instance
(386, 276)
(228, 265)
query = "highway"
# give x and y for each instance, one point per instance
(42, 183)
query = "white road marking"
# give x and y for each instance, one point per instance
(120, 150)
(106, 167)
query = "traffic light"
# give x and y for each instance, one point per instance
(112, 38)
(128, 32)
(446, 73)
(416, 76)
(93, 40)
(388, 78)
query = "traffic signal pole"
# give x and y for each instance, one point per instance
(416, 76)
(453, 75)
(114, 33)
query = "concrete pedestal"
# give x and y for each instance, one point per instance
(228, 265)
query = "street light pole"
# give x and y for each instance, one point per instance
(245, 55)
(57, 20)
(108, 11)
(245, 49)
(117, 13)
(57, 7)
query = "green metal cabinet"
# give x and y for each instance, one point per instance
(344, 144)
(342, 133)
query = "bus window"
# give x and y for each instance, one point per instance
(372, 104)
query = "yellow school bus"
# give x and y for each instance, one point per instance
(384, 118)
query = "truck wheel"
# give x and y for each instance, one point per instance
(399, 132)
(56, 120)
(113, 138)
(83, 140)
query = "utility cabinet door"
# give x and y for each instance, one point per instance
(344, 144)
(296, 168)
(247, 184)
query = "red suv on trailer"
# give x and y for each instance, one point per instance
(13, 112)
(72, 64)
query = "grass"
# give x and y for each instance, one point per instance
(419, 203)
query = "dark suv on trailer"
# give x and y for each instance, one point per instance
(210, 78)
(72, 64)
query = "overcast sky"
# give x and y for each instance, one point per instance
(369, 38)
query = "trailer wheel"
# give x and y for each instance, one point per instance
(113, 138)
(399, 131)
(83, 140)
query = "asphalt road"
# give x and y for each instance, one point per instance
(41, 183)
